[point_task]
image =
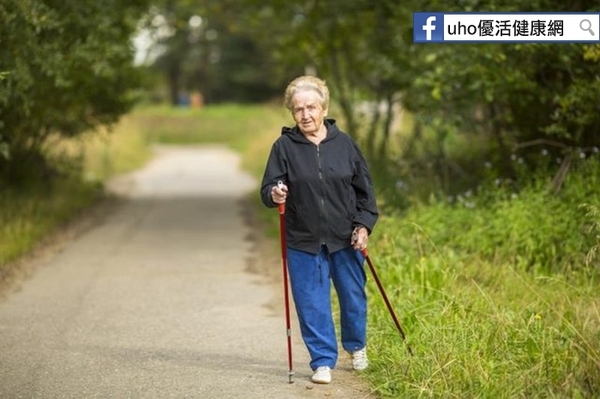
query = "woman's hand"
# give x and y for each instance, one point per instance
(360, 238)
(279, 193)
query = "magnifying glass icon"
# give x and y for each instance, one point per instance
(586, 25)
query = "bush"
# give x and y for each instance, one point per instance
(531, 229)
(66, 67)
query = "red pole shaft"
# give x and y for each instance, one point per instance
(386, 300)
(286, 294)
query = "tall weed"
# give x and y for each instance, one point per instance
(593, 229)
(27, 215)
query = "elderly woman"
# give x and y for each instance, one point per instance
(330, 212)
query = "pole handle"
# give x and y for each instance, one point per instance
(281, 206)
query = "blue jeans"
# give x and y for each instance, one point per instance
(310, 279)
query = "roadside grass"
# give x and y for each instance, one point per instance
(234, 125)
(27, 216)
(118, 150)
(478, 328)
(30, 213)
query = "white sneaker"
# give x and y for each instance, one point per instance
(359, 359)
(322, 375)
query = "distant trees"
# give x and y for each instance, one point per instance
(204, 46)
(65, 67)
(524, 99)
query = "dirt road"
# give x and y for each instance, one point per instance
(159, 299)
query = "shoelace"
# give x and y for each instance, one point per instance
(360, 355)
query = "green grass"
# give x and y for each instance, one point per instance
(478, 329)
(230, 124)
(498, 295)
(27, 216)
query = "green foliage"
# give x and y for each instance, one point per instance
(531, 228)
(522, 97)
(67, 68)
(525, 97)
(4, 153)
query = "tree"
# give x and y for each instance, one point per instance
(514, 97)
(203, 48)
(66, 68)
(526, 97)
(352, 44)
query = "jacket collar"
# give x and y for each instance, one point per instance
(296, 135)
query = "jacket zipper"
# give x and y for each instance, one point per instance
(321, 198)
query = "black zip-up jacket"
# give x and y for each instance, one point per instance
(330, 188)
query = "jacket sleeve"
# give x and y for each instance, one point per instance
(275, 170)
(366, 206)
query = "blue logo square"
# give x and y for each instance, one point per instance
(428, 27)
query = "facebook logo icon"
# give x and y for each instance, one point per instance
(428, 27)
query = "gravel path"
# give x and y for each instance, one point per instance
(165, 297)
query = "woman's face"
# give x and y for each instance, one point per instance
(308, 112)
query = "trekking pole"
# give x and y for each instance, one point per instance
(387, 302)
(286, 295)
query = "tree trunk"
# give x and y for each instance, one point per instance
(387, 126)
(372, 133)
(506, 164)
(174, 83)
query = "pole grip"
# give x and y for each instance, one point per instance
(281, 206)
